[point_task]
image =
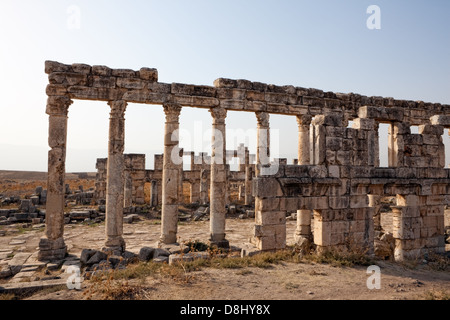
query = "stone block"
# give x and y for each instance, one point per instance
(436, 130)
(313, 203)
(53, 66)
(270, 218)
(363, 124)
(407, 200)
(131, 83)
(123, 73)
(442, 120)
(191, 256)
(435, 200)
(337, 239)
(359, 201)
(103, 82)
(338, 202)
(289, 204)
(149, 74)
(81, 68)
(22, 217)
(322, 233)
(340, 227)
(361, 172)
(432, 210)
(86, 254)
(333, 143)
(101, 71)
(333, 120)
(16, 263)
(267, 187)
(80, 215)
(430, 139)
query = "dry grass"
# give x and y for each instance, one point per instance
(7, 296)
(129, 283)
(435, 295)
(105, 287)
(340, 259)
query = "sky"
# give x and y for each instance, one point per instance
(323, 44)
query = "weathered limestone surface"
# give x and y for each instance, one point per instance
(52, 246)
(171, 175)
(218, 178)
(115, 177)
(344, 186)
(79, 81)
(336, 178)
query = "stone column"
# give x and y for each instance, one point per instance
(304, 124)
(203, 187)
(154, 194)
(115, 178)
(171, 175)
(52, 246)
(303, 234)
(248, 179)
(218, 179)
(263, 140)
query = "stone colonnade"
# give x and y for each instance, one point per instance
(118, 182)
(337, 166)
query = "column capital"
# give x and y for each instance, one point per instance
(172, 111)
(219, 114)
(304, 120)
(118, 108)
(58, 105)
(262, 119)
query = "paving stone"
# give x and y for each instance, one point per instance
(5, 271)
(33, 285)
(191, 256)
(17, 242)
(5, 255)
(52, 266)
(18, 261)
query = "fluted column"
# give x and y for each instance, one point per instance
(171, 175)
(115, 177)
(263, 140)
(303, 233)
(52, 246)
(218, 178)
(304, 124)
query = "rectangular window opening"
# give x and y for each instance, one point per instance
(383, 144)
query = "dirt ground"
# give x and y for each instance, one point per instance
(305, 280)
(285, 281)
(24, 183)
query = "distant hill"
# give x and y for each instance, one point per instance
(37, 175)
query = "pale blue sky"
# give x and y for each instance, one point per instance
(319, 44)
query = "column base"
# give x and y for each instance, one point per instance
(52, 250)
(114, 245)
(304, 243)
(168, 239)
(223, 244)
(219, 241)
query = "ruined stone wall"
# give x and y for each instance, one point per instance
(337, 176)
(135, 177)
(345, 184)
